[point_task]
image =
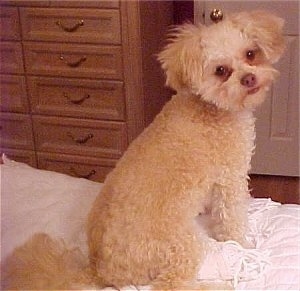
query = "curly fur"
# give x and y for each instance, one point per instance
(44, 263)
(193, 158)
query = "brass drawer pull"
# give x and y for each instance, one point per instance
(73, 64)
(87, 176)
(80, 140)
(72, 28)
(76, 101)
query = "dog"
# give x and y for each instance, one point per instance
(194, 158)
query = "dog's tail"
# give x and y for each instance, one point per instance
(43, 263)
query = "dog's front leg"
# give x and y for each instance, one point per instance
(229, 211)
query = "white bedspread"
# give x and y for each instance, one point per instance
(41, 201)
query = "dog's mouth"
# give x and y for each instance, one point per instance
(253, 90)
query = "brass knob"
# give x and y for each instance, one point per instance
(216, 15)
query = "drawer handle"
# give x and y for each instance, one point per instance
(80, 140)
(71, 28)
(73, 64)
(87, 176)
(76, 101)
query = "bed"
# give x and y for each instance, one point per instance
(35, 200)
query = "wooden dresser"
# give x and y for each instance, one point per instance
(79, 80)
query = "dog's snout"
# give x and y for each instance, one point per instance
(249, 80)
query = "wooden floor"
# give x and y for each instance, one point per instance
(281, 189)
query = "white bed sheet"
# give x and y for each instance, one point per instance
(42, 201)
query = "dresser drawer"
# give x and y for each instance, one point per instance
(79, 136)
(71, 25)
(59, 59)
(13, 94)
(26, 2)
(23, 156)
(11, 57)
(94, 169)
(77, 97)
(16, 131)
(86, 3)
(9, 23)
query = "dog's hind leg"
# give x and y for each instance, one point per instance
(179, 264)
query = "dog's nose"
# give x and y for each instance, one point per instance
(249, 80)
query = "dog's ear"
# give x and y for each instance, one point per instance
(265, 29)
(181, 58)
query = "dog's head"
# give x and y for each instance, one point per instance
(228, 63)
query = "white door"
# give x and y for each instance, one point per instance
(277, 125)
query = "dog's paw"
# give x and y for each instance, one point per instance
(246, 244)
(197, 285)
(237, 238)
(243, 242)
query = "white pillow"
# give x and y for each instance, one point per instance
(43, 201)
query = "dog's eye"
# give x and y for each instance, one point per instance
(250, 55)
(221, 71)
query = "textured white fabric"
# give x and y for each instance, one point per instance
(43, 201)
(275, 228)
(229, 261)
